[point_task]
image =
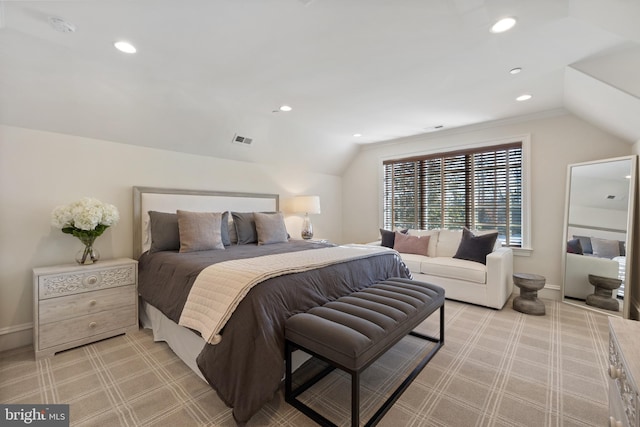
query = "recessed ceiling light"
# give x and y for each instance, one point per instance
(524, 97)
(285, 108)
(503, 25)
(125, 47)
(515, 70)
(357, 135)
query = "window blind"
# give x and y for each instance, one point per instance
(479, 189)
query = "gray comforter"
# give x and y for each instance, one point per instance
(247, 366)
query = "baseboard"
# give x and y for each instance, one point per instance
(16, 336)
(550, 292)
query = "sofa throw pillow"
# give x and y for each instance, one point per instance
(199, 231)
(433, 240)
(164, 231)
(388, 237)
(475, 248)
(406, 244)
(574, 247)
(270, 228)
(605, 248)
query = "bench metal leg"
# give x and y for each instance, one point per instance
(355, 398)
(291, 395)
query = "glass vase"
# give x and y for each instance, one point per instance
(88, 254)
(307, 228)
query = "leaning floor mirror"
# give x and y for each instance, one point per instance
(598, 229)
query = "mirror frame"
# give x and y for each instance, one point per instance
(631, 214)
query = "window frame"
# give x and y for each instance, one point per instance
(525, 140)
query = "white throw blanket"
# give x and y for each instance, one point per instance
(219, 288)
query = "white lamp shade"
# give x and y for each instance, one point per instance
(306, 204)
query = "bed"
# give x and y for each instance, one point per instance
(242, 359)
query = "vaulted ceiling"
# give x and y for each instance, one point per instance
(206, 70)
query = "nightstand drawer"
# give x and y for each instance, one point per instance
(78, 328)
(78, 281)
(67, 307)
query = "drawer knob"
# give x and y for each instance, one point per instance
(92, 302)
(614, 372)
(93, 325)
(92, 280)
(614, 423)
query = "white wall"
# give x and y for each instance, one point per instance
(556, 141)
(41, 170)
(597, 217)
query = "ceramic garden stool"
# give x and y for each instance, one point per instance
(528, 301)
(601, 298)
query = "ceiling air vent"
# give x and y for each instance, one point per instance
(242, 140)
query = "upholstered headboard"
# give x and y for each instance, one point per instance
(147, 199)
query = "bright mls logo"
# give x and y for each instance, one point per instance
(34, 415)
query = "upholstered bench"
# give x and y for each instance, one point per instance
(354, 331)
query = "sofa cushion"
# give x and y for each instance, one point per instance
(433, 239)
(454, 268)
(411, 244)
(413, 261)
(448, 242)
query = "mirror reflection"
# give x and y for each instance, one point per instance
(597, 230)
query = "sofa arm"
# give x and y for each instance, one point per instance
(499, 277)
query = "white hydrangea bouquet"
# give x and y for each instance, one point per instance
(86, 219)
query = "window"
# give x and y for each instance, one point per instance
(480, 189)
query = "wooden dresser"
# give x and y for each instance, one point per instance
(78, 304)
(624, 372)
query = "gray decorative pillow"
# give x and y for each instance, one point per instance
(233, 235)
(164, 231)
(623, 248)
(245, 227)
(270, 228)
(476, 248)
(574, 247)
(585, 242)
(224, 229)
(199, 231)
(605, 248)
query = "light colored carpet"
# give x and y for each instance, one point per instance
(497, 368)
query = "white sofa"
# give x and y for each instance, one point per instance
(488, 285)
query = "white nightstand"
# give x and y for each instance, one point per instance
(624, 372)
(79, 304)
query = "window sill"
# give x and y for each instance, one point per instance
(522, 251)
